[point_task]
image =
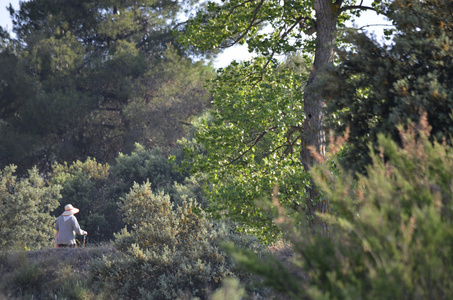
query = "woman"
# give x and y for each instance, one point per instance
(66, 226)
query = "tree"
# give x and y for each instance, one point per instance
(145, 166)
(247, 144)
(376, 87)
(79, 69)
(293, 25)
(25, 217)
(176, 93)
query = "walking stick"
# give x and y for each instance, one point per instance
(84, 238)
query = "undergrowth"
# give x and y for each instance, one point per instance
(48, 274)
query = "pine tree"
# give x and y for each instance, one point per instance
(76, 73)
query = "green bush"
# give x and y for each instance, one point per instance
(26, 204)
(96, 189)
(166, 253)
(85, 185)
(29, 278)
(230, 290)
(75, 290)
(393, 238)
(145, 165)
(48, 274)
(191, 187)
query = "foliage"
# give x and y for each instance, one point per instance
(190, 188)
(145, 165)
(394, 236)
(284, 125)
(289, 25)
(76, 75)
(252, 142)
(166, 253)
(48, 274)
(96, 189)
(230, 290)
(29, 278)
(90, 167)
(85, 185)
(25, 217)
(176, 91)
(378, 86)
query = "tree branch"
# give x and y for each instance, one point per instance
(251, 24)
(291, 28)
(265, 66)
(252, 145)
(235, 41)
(185, 123)
(237, 6)
(289, 143)
(310, 30)
(351, 7)
(371, 25)
(339, 3)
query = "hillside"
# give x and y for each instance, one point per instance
(62, 273)
(55, 273)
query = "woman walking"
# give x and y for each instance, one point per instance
(66, 227)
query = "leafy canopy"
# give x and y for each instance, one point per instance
(375, 87)
(250, 141)
(268, 27)
(263, 119)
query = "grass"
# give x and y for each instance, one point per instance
(55, 273)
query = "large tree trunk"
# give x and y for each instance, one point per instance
(314, 131)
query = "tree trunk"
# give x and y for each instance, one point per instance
(314, 131)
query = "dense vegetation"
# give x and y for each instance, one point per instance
(391, 236)
(92, 79)
(186, 178)
(414, 74)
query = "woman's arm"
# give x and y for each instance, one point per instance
(77, 228)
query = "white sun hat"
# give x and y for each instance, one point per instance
(70, 210)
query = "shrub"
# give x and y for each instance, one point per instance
(230, 290)
(191, 188)
(53, 273)
(145, 165)
(165, 253)
(84, 185)
(29, 278)
(75, 290)
(394, 236)
(26, 204)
